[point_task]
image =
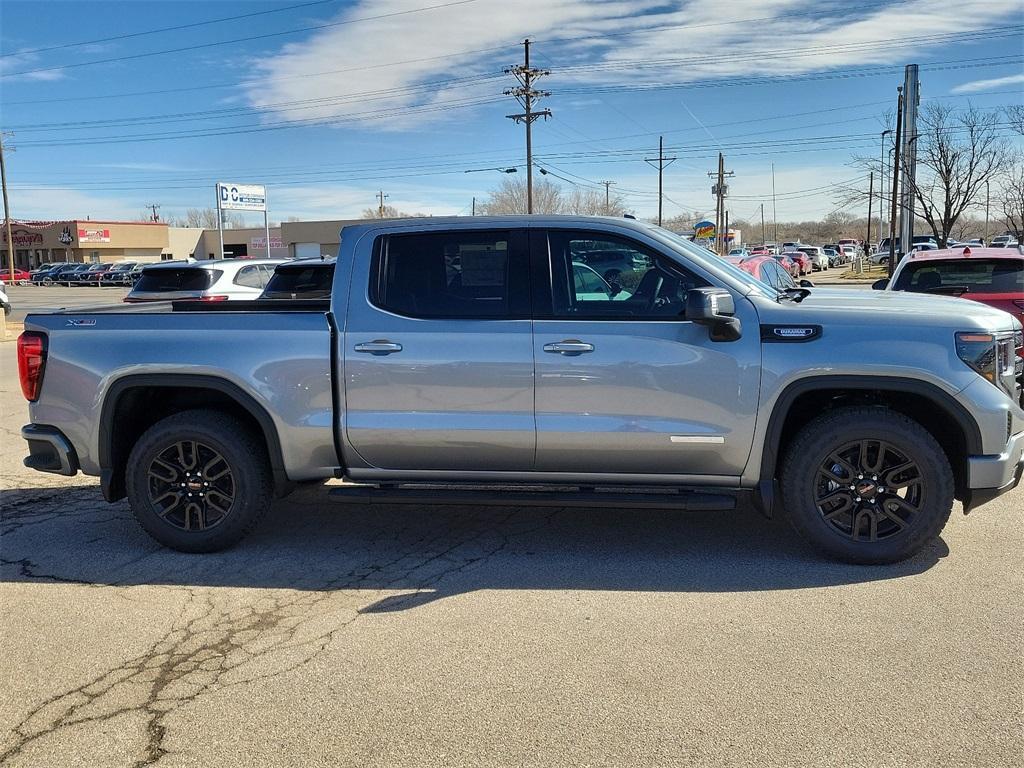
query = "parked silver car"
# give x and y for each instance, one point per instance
(214, 280)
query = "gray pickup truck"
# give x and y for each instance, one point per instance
(490, 360)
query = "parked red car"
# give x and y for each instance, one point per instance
(790, 260)
(803, 261)
(20, 276)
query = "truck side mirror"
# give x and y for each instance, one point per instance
(806, 284)
(714, 308)
(880, 285)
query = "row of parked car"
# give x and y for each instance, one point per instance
(73, 273)
(798, 259)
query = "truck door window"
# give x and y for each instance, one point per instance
(464, 274)
(637, 283)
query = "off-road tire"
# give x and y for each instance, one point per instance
(241, 450)
(801, 476)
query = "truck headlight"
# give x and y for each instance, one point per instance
(992, 356)
(979, 351)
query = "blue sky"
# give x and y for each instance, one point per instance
(333, 101)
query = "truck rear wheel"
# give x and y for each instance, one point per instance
(867, 485)
(198, 481)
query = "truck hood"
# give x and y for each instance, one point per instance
(868, 307)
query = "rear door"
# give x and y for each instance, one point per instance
(625, 384)
(438, 353)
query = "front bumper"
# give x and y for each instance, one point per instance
(49, 450)
(992, 476)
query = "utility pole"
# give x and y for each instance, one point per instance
(895, 182)
(871, 199)
(474, 207)
(719, 190)
(380, 207)
(763, 241)
(775, 213)
(985, 241)
(662, 163)
(725, 247)
(7, 211)
(154, 217)
(526, 94)
(911, 100)
(881, 190)
(607, 197)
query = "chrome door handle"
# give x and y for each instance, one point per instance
(378, 347)
(569, 347)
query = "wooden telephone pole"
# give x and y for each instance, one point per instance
(662, 163)
(527, 95)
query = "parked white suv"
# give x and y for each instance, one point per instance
(214, 280)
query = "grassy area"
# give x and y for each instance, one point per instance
(871, 271)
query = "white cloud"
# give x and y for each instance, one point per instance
(20, 62)
(984, 85)
(618, 48)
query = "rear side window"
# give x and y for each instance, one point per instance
(483, 275)
(250, 277)
(301, 282)
(160, 280)
(961, 276)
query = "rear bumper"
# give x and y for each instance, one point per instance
(992, 476)
(49, 450)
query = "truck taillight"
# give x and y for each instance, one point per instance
(31, 363)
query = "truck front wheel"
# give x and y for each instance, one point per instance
(198, 481)
(867, 485)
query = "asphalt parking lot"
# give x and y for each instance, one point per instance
(395, 636)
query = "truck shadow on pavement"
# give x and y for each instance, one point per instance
(421, 554)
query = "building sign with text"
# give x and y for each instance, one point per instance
(86, 235)
(241, 197)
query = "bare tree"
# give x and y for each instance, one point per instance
(1012, 198)
(958, 152)
(207, 218)
(1015, 117)
(583, 201)
(510, 197)
(390, 212)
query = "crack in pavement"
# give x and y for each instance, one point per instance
(214, 643)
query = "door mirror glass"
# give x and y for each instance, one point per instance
(714, 308)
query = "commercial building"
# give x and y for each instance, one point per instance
(46, 242)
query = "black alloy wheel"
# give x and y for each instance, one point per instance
(191, 486)
(869, 490)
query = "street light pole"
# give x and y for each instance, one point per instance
(986, 213)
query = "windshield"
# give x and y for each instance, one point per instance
(701, 256)
(963, 276)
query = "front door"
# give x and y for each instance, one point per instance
(438, 353)
(625, 384)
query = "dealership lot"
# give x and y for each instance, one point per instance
(398, 636)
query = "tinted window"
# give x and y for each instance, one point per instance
(250, 277)
(453, 274)
(310, 281)
(963, 276)
(642, 284)
(177, 279)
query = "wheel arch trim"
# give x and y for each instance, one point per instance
(113, 486)
(767, 483)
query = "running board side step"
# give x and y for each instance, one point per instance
(447, 495)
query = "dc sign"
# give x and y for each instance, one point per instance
(241, 197)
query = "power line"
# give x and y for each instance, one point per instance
(249, 38)
(175, 28)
